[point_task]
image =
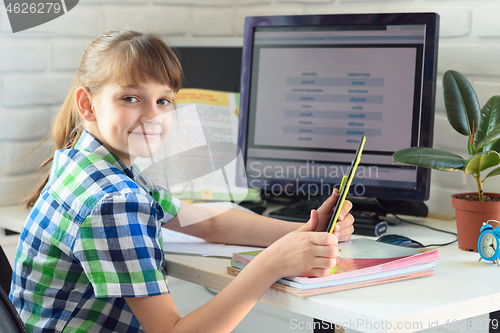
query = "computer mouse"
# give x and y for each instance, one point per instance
(399, 240)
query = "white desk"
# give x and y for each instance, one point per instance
(461, 288)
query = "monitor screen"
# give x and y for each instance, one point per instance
(313, 85)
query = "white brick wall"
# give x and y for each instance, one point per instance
(36, 66)
(4, 21)
(65, 54)
(455, 22)
(195, 2)
(28, 159)
(166, 20)
(212, 22)
(24, 124)
(23, 90)
(486, 25)
(23, 56)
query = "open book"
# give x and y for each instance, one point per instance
(362, 262)
(179, 243)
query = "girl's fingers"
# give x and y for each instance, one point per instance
(344, 223)
(318, 267)
(346, 237)
(305, 252)
(326, 252)
(318, 272)
(344, 228)
(325, 262)
(323, 238)
(346, 208)
(327, 206)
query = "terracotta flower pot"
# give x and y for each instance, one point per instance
(470, 217)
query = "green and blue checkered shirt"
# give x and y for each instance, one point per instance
(92, 239)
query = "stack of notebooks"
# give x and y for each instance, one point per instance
(362, 262)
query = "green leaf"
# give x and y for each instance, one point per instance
(494, 172)
(492, 136)
(488, 125)
(482, 161)
(430, 158)
(495, 146)
(460, 102)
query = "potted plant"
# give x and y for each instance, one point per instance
(482, 126)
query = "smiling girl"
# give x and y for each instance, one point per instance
(90, 257)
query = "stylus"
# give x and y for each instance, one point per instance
(333, 221)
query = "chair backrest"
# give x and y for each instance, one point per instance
(5, 272)
(9, 318)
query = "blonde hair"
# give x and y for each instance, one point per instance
(124, 56)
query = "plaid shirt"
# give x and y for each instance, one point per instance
(92, 238)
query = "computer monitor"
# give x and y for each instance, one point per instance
(312, 85)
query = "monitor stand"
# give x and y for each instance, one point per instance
(369, 214)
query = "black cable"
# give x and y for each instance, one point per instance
(420, 225)
(432, 228)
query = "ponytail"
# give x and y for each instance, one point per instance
(66, 131)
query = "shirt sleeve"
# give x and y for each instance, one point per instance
(120, 247)
(170, 204)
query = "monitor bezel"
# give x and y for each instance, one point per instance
(431, 21)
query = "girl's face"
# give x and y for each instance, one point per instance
(133, 120)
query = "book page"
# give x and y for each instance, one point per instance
(177, 242)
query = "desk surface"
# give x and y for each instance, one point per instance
(461, 288)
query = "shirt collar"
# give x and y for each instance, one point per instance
(91, 144)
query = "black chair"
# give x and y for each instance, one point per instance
(9, 318)
(5, 272)
(11, 322)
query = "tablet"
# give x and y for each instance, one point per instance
(344, 187)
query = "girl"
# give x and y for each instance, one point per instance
(90, 257)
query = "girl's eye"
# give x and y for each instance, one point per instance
(130, 99)
(164, 101)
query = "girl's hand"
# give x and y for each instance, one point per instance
(303, 252)
(343, 227)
